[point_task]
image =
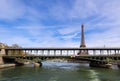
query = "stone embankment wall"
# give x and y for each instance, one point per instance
(6, 65)
(5, 60)
(1, 60)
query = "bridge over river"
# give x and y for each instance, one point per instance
(96, 56)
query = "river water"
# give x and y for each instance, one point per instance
(55, 71)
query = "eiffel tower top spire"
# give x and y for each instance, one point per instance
(82, 37)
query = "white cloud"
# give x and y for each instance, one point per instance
(3, 29)
(32, 29)
(83, 9)
(109, 38)
(69, 37)
(112, 9)
(69, 29)
(16, 9)
(11, 9)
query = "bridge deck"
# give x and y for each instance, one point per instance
(51, 48)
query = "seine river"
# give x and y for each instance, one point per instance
(53, 71)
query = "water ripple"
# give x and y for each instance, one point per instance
(93, 75)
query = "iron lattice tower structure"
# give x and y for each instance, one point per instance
(82, 37)
(82, 45)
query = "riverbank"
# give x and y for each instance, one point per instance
(7, 65)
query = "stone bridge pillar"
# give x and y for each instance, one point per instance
(2, 52)
(1, 60)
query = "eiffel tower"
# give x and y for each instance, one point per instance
(82, 45)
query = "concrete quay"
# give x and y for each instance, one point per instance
(7, 65)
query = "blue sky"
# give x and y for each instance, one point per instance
(57, 23)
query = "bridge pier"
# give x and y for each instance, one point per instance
(2, 52)
(1, 60)
(118, 64)
(100, 64)
(37, 64)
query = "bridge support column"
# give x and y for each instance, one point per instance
(100, 52)
(3, 51)
(37, 64)
(108, 52)
(61, 52)
(118, 65)
(42, 52)
(1, 60)
(54, 52)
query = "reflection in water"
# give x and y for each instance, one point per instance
(54, 71)
(93, 75)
